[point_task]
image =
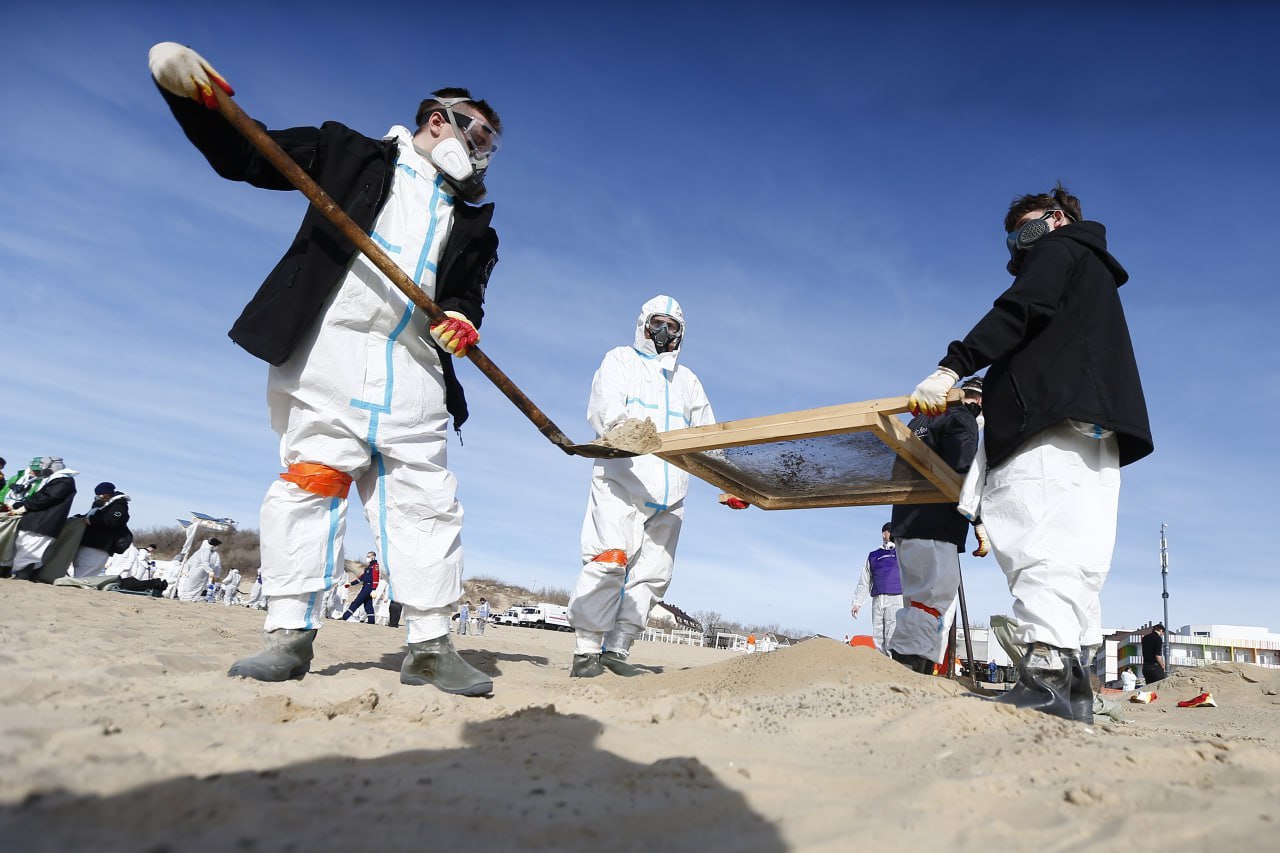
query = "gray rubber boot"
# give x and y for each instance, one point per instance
(286, 654)
(438, 662)
(1045, 682)
(586, 666)
(1081, 690)
(617, 664)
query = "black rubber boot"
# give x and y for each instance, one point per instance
(586, 666)
(286, 654)
(1081, 690)
(915, 663)
(437, 662)
(1044, 681)
(616, 663)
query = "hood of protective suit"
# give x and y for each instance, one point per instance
(660, 305)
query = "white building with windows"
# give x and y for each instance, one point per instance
(1195, 645)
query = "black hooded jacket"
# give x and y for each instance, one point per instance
(1059, 347)
(106, 524)
(48, 508)
(953, 435)
(356, 172)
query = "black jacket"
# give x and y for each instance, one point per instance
(356, 172)
(47, 509)
(1059, 348)
(953, 435)
(106, 525)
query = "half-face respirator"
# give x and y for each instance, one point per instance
(1021, 239)
(463, 157)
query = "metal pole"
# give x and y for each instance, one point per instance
(1164, 583)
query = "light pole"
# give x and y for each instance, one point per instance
(1164, 583)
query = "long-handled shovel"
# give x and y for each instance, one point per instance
(300, 179)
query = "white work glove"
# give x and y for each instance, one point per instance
(455, 334)
(930, 396)
(984, 544)
(183, 72)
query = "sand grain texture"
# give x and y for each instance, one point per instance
(120, 731)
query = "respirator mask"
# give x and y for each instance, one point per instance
(1021, 239)
(463, 157)
(664, 332)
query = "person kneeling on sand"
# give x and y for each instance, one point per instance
(636, 505)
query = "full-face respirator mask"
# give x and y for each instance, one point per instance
(464, 156)
(664, 332)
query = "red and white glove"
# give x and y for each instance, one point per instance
(183, 72)
(736, 503)
(930, 396)
(984, 544)
(455, 334)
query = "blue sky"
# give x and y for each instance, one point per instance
(821, 185)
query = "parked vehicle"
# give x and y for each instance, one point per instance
(553, 617)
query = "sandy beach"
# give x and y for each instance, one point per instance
(119, 730)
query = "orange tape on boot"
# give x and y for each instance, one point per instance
(318, 479)
(613, 555)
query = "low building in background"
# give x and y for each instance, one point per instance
(1193, 645)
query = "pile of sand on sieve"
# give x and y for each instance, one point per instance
(634, 435)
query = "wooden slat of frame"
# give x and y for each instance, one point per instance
(803, 424)
(679, 447)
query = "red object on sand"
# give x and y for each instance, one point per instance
(1204, 700)
(862, 640)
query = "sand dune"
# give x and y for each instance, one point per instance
(120, 731)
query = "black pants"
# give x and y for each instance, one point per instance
(135, 585)
(396, 608)
(1152, 672)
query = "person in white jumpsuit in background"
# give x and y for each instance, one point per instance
(361, 397)
(636, 505)
(231, 588)
(256, 598)
(199, 570)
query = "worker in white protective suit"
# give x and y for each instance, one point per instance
(636, 505)
(199, 570)
(231, 588)
(362, 384)
(256, 598)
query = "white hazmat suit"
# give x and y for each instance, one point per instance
(636, 505)
(199, 570)
(231, 588)
(364, 394)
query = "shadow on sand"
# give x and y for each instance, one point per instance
(531, 780)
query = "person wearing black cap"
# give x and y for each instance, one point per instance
(106, 532)
(880, 578)
(930, 538)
